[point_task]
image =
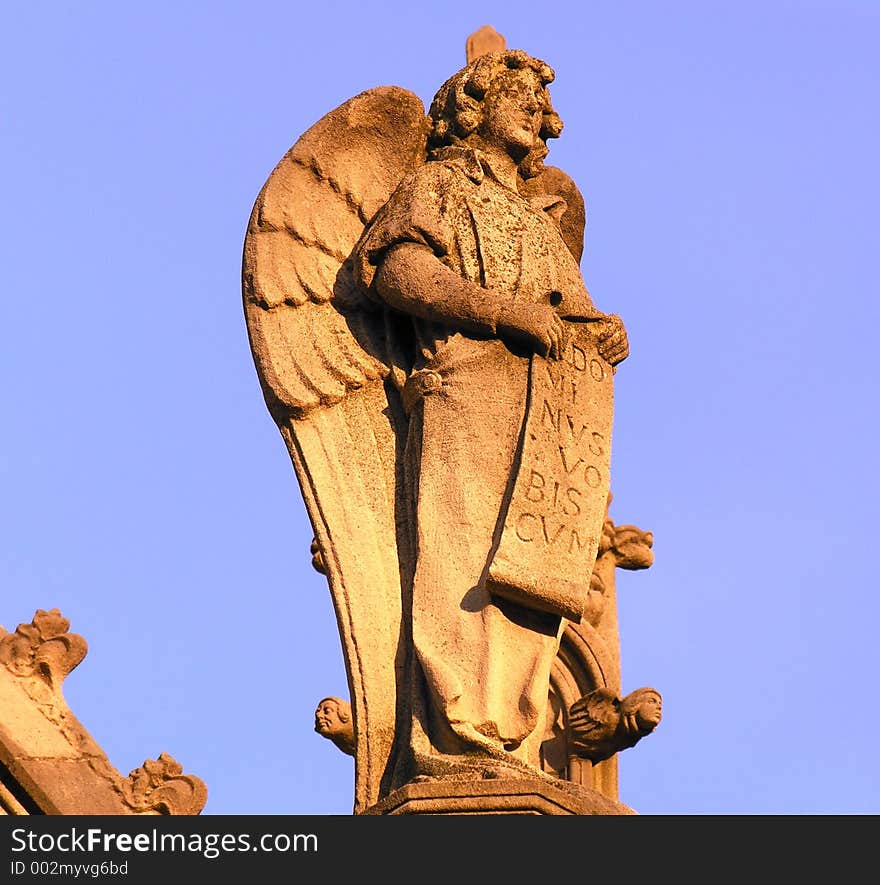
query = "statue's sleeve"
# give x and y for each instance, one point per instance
(430, 210)
(419, 211)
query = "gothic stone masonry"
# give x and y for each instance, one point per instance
(49, 763)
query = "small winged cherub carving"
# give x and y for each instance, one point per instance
(600, 724)
(418, 321)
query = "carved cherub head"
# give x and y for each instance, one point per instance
(501, 97)
(642, 710)
(333, 721)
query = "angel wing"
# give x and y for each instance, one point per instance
(322, 358)
(592, 723)
(553, 181)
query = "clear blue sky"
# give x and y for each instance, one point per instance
(728, 154)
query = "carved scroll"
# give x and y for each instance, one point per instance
(554, 519)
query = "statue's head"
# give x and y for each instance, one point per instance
(643, 709)
(332, 716)
(499, 98)
(333, 721)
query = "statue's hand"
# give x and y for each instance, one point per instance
(612, 341)
(538, 326)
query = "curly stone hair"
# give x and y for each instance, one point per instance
(632, 703)
(457, 109)
(342, 707)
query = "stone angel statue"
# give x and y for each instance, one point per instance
(443, 382)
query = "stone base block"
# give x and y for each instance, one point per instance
(496, 796)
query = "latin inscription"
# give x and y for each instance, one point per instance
(554, 521)
(557, 485)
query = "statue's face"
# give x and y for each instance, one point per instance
(650, 711)
(327, 719)
(513, 112)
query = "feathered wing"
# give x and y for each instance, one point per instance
(552, 181)
(321, 357)
(592, 723)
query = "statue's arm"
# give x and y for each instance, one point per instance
(413, 280)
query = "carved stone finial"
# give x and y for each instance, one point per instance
(333, 721)
(600, 724)
(483, 41)
(43, 648)
(159, 786)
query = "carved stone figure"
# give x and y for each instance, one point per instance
(333, 721)
(600, 724)
(443, 381)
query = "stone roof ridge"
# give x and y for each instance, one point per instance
(49, 763)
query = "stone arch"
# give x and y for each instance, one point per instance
(583, 663)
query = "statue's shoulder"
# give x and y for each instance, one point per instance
(456, 162)
(431, 190)
(445, 172)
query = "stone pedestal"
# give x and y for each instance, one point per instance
(496, 796)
